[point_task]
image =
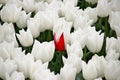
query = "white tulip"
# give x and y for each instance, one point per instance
(25, 38)
(43, 51)
(40, 6)
(92, 1)
(82, 21)
(75, 48)
(44, 75)
(94, 40)
(89, 70)
(17, 2)
(74, 61)
(115, 25)
(55, 5)
(96, 65)
(29, 5)
(99, 62)
(98, 78)
(6, 49)
(10, 13)
(25, 63)
(91, 13)
(72, 2)
(70, 12)
(22, 22)
(37, 65)
(68, 72)
(34, 25)
(114, 4)
(111, 44)
(40, 71)
(112, 55)
(9, 33)
(15, 76)
(47, 19)
(103, 8)
(79, 36)
(9, 66)
(112, 19)
(112, 70)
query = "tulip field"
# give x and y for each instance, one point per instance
(59, 39)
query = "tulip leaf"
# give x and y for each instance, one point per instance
(83, 4)
(57, 63)
(79, 76)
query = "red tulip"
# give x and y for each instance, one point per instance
(59, 43)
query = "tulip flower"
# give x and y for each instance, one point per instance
(10, 13)
(59, 43)
(15, 76)
(68, 72)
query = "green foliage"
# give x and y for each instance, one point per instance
(57, 63)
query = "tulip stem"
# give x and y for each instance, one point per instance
(106, 27)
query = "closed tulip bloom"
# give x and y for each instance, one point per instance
(87, 69)
(9, 33)
(72, 2)
(70, 11)
(47, 19)
(75, 48)
(74, 61)
(113, 67)
(17, 2)
(103, 8)
(115, 25)
(28, 5)
(91, 13)
(99, 62)
(25, 38)
(40, 6)
(111, 43)
(98, 78)
(15, 76)
(22, 22)
(68, 72)
(59, 43)
(82, 22)
(114, 4)
(96, 65)
(79, 36)
(10, 13)
(7, 66)
(40, 71)
(25, 62)
(43, 51)
(112, 55)
(34, 25)
(94, 40)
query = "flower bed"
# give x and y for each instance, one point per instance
(59, 40)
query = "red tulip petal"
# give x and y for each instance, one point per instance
(59, 45)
